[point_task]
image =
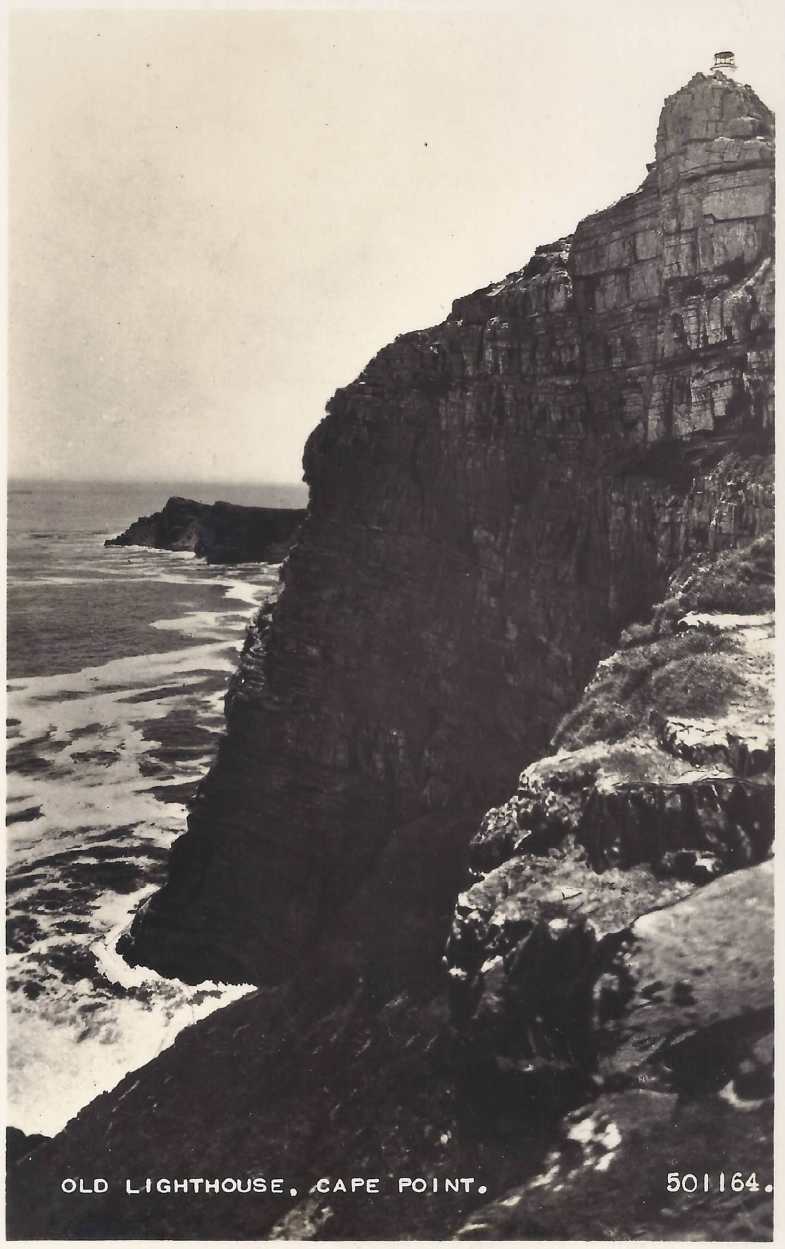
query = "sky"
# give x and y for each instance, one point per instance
(217, 217)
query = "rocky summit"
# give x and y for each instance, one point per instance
(539, 537)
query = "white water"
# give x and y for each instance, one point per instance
(93, 753)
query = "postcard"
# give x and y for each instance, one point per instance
(390, 666)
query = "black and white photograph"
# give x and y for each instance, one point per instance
(390, 633)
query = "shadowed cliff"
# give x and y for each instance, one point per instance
(542, 528)
(490, 502)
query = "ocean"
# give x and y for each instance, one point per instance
(117, 665)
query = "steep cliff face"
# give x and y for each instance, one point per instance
(489, 502)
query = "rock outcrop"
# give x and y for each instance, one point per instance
(223, 533)
(664, 782)
(490, 502)
(684, 1022)
(539, 531)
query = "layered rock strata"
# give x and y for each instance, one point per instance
(223, 533)
(490, 501)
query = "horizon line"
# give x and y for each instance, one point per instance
(157, 481)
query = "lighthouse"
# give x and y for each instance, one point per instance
(724, 63)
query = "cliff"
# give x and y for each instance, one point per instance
(611, 960)
(490, 502)
(224, 533)
(538, 537)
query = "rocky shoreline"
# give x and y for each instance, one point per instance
(221, 533)
(539, 535)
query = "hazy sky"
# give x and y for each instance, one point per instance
(218, 217)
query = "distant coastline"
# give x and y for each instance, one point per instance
(221, 532)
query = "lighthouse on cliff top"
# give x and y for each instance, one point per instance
(724, 63)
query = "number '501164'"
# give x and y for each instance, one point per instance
(718, 1182)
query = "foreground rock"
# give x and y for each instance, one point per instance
(608, 1178)
(622, 928)
(664, 782)
(224, 533)
(18, 1143)
(685, 1026)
